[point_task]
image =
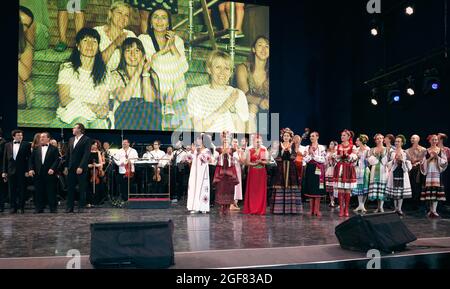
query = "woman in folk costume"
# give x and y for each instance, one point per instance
(362, 173)
(286, 197)
(329, 172)
(239, 160)
(255, 201)
(314, 179)
(344, 171)
(225, 176)
(433, 165)
(299, 150)
(398, 185)
(378, 159)
(198, 190)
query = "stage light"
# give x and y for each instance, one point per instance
(409, 10)
(431, 81)
(375, 97)
(375, 27)
(394, 93)
(410, 88)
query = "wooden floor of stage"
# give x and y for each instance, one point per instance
(204, 240)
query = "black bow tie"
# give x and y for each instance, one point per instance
(17, 142)
(45, 145)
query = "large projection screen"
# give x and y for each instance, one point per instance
(100, 62)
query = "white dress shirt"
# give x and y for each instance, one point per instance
(44, 152)
(121, 156)
(77, 140)
(16, 147)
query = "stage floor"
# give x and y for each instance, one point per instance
(49, 235)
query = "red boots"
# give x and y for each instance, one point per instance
(341, 204)
(347, 204)
(344, 203)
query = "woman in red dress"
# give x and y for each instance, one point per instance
(255, 201)
(344, 171)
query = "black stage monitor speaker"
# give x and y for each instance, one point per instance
(385, 232)
(135, 245)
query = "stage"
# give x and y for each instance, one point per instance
(213, 241)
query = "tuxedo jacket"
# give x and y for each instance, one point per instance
(20, 164)
(78, 156)
(51, 160)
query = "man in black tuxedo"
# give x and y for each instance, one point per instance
(76, 167)
(3, 185)
(43, 163)
(15, 169)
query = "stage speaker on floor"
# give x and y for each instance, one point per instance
(385, 232)
(134, 245)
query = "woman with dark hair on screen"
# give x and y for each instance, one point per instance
(313, 185)
(344, 171)
(166, 51)
(137, 106)
(84, 85)
(253, 80)
(398, 186)
(434, 163)
(26, 52)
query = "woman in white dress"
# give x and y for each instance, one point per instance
(239, 157)
(199, 189)
(398, 185)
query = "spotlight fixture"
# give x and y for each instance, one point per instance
(394, 94)
(410, 88)
(375, 27)
(409, 10)
(374, 100)
(431, 81)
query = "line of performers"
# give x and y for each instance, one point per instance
(384, 172)
(279, 176)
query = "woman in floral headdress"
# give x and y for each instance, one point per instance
(286, 197)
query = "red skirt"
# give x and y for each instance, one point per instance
(255, 201)
(344, 176)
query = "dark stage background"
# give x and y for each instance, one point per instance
(321, 55)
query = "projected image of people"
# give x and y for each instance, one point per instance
(142, 65)
(84, 85)
(217, 106)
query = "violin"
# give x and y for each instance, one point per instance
(157, 176)
(95, 174)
